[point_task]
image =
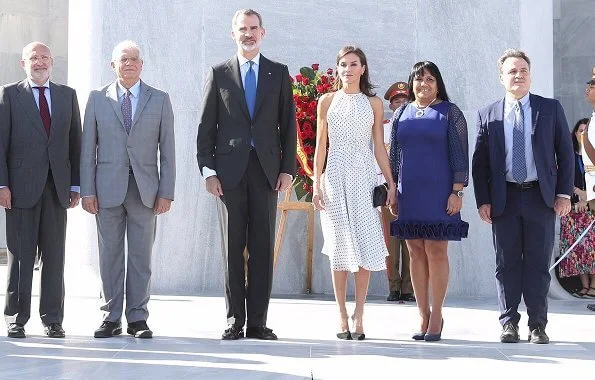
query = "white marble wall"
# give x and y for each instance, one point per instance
(574, 55)
(181, 38)
(23, 21)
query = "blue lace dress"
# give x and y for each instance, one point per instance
(428, 154)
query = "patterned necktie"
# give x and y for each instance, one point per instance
(44, 110)
(127, 111)
(519, 164)
(250, 89)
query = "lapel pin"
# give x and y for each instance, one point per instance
(269, 73)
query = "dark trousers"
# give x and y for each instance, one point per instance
(43, 226)
(523, 239)
(251, 217)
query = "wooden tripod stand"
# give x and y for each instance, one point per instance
(285, 206)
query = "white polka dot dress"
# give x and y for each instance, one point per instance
(351, 226)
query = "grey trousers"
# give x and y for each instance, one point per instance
(137, 222)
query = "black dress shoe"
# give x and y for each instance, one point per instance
(538, 336)
(108, 329)
(393, 296)
(139, 329)
(260, 332)
(510, 333)
(16, 330)
(233, 332)
(54, 330)
(408, 297)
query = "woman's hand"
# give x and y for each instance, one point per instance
(581, 206)
(318, 198)
(454, 204)
(391, 195)
(582, 195)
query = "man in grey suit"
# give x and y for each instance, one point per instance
(127, 178)
(246, 153)
(40, 138)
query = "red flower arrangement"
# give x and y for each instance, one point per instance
(307, 87)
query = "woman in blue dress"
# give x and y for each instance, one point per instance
(429, 157)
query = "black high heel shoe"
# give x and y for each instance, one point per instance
(434, 337)
(355, 335)
(345, 334)
(422, 334)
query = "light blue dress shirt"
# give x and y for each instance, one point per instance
(509, 103)
(134, 94)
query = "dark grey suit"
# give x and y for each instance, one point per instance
(39, 171)
(248, 174)
(523, 220)
(127, 173)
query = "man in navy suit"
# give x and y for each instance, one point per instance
(523, 173)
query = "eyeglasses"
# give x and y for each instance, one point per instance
(131, 60)
(43, 58)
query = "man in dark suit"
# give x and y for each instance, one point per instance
(523, 169)
(40, 140)
(246, 153)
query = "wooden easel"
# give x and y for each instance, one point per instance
(285, 206)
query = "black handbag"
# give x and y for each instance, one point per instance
(380, 194)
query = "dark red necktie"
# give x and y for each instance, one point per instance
(44, 110)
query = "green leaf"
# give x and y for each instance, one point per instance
(308, 72)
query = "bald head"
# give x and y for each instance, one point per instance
(33, 46)
(37, 62)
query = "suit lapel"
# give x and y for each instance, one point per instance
(58, 104)
(499, 127)
(233, 71)
(264, 81)
(112, 96)
(535, 105)
(143, 97)
(27, 101)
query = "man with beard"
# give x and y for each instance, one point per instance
(246, 152)
(40, 141)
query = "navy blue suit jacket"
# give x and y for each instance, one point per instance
(552, 152)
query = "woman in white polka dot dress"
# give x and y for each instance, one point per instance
(351, 118)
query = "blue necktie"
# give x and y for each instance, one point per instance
(519, 164)
(250, 89)
(127, 111)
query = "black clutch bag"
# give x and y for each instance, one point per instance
(380, 194)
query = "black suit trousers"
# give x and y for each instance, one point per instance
(42, 226)
(251, 217)
(523, 240)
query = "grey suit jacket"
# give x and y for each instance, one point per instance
(108, 151)
(26, 151)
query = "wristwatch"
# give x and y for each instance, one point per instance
(458, 193)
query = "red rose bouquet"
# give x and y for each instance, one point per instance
(307, 86)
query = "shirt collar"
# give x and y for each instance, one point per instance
(510, 101)
(32, 84)
(242, 60)
(134, 90)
